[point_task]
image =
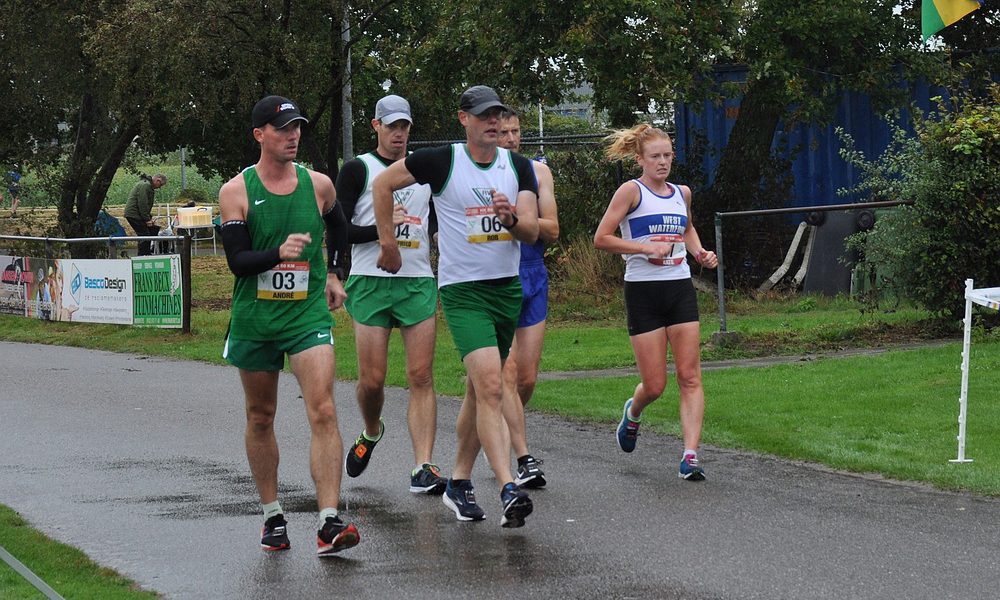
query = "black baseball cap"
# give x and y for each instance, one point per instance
(478, 99)
(275, 110)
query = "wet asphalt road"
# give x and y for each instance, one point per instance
(139, 462)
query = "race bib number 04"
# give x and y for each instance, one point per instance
(678, 250)
(484, 226)
(286, 281)
(408, 232)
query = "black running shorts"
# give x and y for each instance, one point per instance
(650, 305)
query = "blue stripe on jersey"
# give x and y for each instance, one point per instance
(656, 224)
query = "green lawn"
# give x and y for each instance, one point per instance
(895, 414)
(66, 570)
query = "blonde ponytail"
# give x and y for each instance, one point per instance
(627, 143)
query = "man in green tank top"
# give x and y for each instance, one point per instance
(273, 219)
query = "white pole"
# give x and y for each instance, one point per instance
(541, 132)
(963, 399)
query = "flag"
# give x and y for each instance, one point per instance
(938, 14)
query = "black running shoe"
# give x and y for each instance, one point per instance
(336, 536)
(428, 480)
(462, 499)
(274, 535)
(516, 506)
(529, 475)
(361, 452)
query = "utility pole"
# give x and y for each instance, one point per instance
(345, 90)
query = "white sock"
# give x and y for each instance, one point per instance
(689, 452)
(323, 514)
(631, 415)
(271, 509)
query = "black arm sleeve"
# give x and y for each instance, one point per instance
(336, 240)
(243, 261)
(432, 222)
(430, 165)
(351, 183)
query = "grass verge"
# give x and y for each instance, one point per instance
(894, 414)
(66, 570)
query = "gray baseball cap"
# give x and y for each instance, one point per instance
(478, 99)
(392, 108)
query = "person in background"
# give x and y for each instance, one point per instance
(139, 210)
(520, 372)
(379, 301)
(653, 217)
(14, 190)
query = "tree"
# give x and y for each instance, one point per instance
(91, 112)
(952, 231)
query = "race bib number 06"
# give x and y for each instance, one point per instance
(484, 226)
(286, 281)
(677, 253)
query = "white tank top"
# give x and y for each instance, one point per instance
(411, 235)
(474, 246)
(657, 219)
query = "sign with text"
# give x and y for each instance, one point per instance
(156, 288)
(97, 291)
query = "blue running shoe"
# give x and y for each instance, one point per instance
(462, 499)
(690, 469)
(628, 430)
(516, 506)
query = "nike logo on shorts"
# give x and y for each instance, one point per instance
(322, 335)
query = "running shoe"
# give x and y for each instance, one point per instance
(516, 506)
(529, 475)
(336, 536)
(690, 469)
(428, 480)
(361, 452)
(274, 536)
(462, 499)
(628, 430)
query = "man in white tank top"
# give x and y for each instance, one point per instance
(378, 300)
(485, 199)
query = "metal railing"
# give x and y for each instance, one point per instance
(113, 242)
(720, 272)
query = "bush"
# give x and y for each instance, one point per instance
(952, 231)
(196, 195)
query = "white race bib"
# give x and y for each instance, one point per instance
(483, 226)
(408, 233)
(678, 249)
(286, 281)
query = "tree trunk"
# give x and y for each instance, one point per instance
(78, 175)
(737, 184)
(98, 192)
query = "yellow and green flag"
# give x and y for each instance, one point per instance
(938, 14)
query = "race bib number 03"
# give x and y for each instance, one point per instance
(408, 232)
(286, 281)
(484, 226)
(678, 250)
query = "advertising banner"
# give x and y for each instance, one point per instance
(13, 285)
(44, 287)
(157, 291)
(97, 291)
